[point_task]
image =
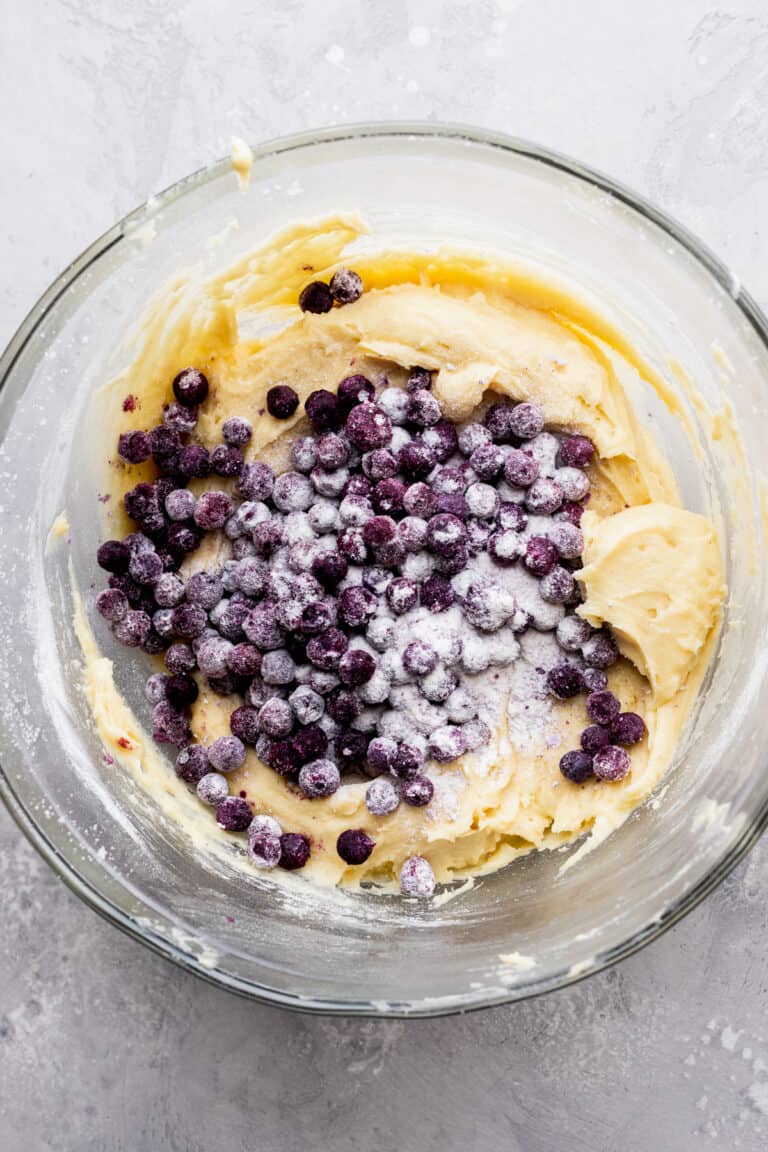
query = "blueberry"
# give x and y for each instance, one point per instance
(281, 758)
(132, 628)
(376, 579)
(574, 484)
(205, 589)
(595, 680)
(319, 778)
(557, 586)
(379, 530)
(356, 667)
(498, 422)
(351, 748)
(212, 510)
(355, 510)
(226, 460)
(628, 728)
(212, 789)
(451, 480)
(576, 451)
(237, 431)
(471, 437)
(282, 401)
(520, 468)
(188, 621)
(482, 501)
(381, 754)
(417, 878)
(419, 658)
(261, 628)
(154, 689)
(412, 531)
(343, 706)
(268, 536)
(600, 651)
(438, 685)
(476, 733)
(316, 297)
(388, 495)
(540, 555)
(506, 546)
(181, 691)
(194, 461)
(192, 763)
(332, 450)
(113, 556)
(169, 726)
(244, 724)
(307, 704)
(294, 851)
(352, 546)
(234, 618)
(576, 766)
(316, 617)
(568, 540)
(354, 846)
(594, 737)
(544, 497)
(419, 500)
(570, 513)
(368, 427)
(418, 791)
(511, 515)
(112, 604)
(572, 633)
(134, 447)
(379, 464)
(565, 681)
(309, 743)
(140, 501)
(166, 446)
(380, 633)
(180, 504)
(487, 461)
(277, 667)
(322, 408)
(356, 605)
(264, 849)
(162, 622)
(611, 763)
(304, 453)
(453, 503)
(353, 390)
(330, 483)
(382, 796)
(276, 717)
(526, 421)
(256, 481)
(243, 660)
(423, 408)
(234, 814)
(326, 649)
(407, 762)
(445, 533)
(437, 594)
(180, 418)
(418, 379)
(442, 438)
(447, 743)
(190, 387)
(416, 460)
(478, 535)
(603, 707)
(292, 492)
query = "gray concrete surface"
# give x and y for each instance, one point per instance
(105, 1047)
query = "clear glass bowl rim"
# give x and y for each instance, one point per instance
(384, 130)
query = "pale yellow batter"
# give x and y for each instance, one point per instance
(652, 570)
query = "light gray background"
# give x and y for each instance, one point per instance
(104, 1046)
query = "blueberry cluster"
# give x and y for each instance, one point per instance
(601, 756)
(398, 556)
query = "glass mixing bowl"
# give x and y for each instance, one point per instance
(301, 946)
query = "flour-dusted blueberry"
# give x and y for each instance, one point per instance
(244, 723)
(544, 497)
(316, 297)
(380, 464)
(565, 681)
(316, 617)
(450, 480)
(628, 728)
(594, 737)
(454, 504)
(419, 500)
(526, 421)
(323, 517)
(577, 766)
(212, 789)
(231, 624)
(423, 408)
(557, 586)
(323, 410)
(417, 878)
(304, 453)
(234, 814)
(354, 846)
(162, 622)
(376, 579)
(154, 689)
(227, 460)
(352, 546)
(309, 743)
(256, 481)
(281, 758)
(276, 717)
(387, 496)
(355, 511)
(412, 531)
(572, 633)
(476, 733)
(471, 437)
(353, 390)
(571, 512)
(511, 515)
(418, 791)
(407, 763)
(460, 706)
(356, 605)
(382, 796)
(112, 604)
(488, 605)
(190, 387)
(447, 743)
(194, 461)
(343, 706)
(264, 847)
(260, 626)
(487, 461)
(445, 534)
(166, 446)
(329, 482)
(603, 707)
(380, 633)
(498, 422)
(277, 667)
(251, 577)
(478, 535)
(595, 680)
(416, 460)
(212, 510)
(402, 595)
(574, 484)
(295, 851)
(368, 427)
(113, 556)
(169, 726)
(356, 667)
(437, 594)
(192, 763)
(576, 451)
(268, 536)
(205, 589)
(132, 629)
(506, 546)
(442, 438)
(319, 778)
(381, 754)
(183, 420)
(282, 401)
(520, 468)
(226, 754)
(568, 540)
(264, 823)
(307, 704)
(325, 651)
(140, 501)
(332, 450)
(237, 431)
(188, 621)
(181, 691)
(358, 485)
(134, 447)
(482, 500)
(180, 504)
(153, 643)
(419, 658)
(292, 492)
(394, 403)
(419, 378)
(540, 555)
(611, 763)
(600, 651)
(243, 660)
(351, 749)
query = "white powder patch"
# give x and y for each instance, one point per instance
(335, 55)
(419, 36)
(758, 1097)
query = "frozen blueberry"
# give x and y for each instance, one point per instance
(416, 460)
(329, 482)
(460, 706)
(387, 496)
(471, 437)
(628, 728)
(194, 461)
(442, 438)
(438, 685)
(351, 749)
(212, 510)
(437, 594)
(154, 689)
(540, 555)
(544, 497)
(277, 667)
(268, 536)
(450, 480)
(423, 408)
(141, 501)
(304, 453)
(256, 481)
(477, 734)
(402, 595)
(594, 737)
(282, 401)
(212, 789)
(557, 586)
(307, 704)
(419, 378)
(112, 604)
(380, 633)
(379, 464)
(354, 846)
(181, 691)
(572, 633)
(355, 510)
(379, 530)
(445, 533)
(132, 629)
(381, 754)
(356, 667)
(576, 451)
(162, 622)
(180, 504)
(243, 660)
(294, 851)
(526, 421)
(281, 757)
(232, 625)
(511, 515)
(343, 706)
(570, 513)
(356, 605)
(134, 447)
(226, 753)
(169, 726)
(568, 540)
(292, 492)
(309, 743)
(325, 651)
(244, 724)
(600, 651)
(447, 743)
(260, 626)
(205, 589)
(166, 447)
(487, 461)
(482, 500)
(276, 717)
(190, 387)
(506, 546)
(565, 681)
(376, 579)
(264, 847)
(419, 500)
(234, 814)
(319, 778)
(602, 707)
(192, 763)
(576, 766)
(412, 531)
(382, 796)
(316, 617)
(520, 468)
(419, 658)
(227, 460)
(417, 878)
(188, 621)
(332, 450)
(322, 408)
(418, 791)
(478, 535)
(113, 556)
(316, 297)
(352, 546)
(407, 762)
(574, 484)
(353, 390)
(368, 427)
(611, 763)
(237, 431)
(499, 423)
(595, 680)
(453, 503)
